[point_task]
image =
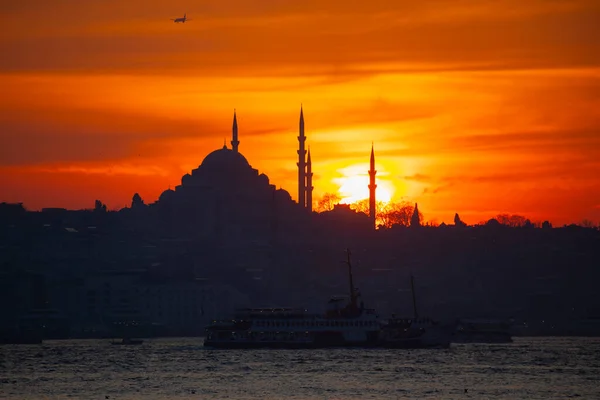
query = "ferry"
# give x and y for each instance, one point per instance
(346, 323)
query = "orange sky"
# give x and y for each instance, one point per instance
(477, 107)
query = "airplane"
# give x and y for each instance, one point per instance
(182, 19)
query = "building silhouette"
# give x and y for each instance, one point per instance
(226, 200)
(301, 162)
(225, 237)
(309, 185)
(372, 187)
(234, 139)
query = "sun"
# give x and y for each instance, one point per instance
(354, 186)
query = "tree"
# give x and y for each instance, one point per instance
(458, 221)
(328, 201)
(432, 223)
(387, 214)
(493, 223)
(397, 214)
(136, 201)
(99, 207)
(514, 221)
(362, 206)
(546, 225)
(586, 223)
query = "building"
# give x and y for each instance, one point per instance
(224, 197)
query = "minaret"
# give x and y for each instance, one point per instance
(309, 186)
(301, 163)
(234, 141)
(372, 187)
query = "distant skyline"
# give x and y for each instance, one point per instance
(474, 107)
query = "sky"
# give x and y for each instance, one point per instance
(476, 107)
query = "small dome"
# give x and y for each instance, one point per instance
(283, 194)
(166, 195)
(224, 159)
(186, 179)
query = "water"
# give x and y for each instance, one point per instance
(529, 368)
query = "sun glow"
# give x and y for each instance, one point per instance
(354, 185)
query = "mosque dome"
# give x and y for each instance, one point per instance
(166, 195)
(224, 159)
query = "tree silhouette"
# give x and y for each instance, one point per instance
(397, 214)
(586, 223)
(136, 201)
(546, 225)
(513, 221)
(328, 201)
(363, 206)
(388, 214)
(99, 207)
(458, 221)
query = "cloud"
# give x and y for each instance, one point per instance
(246, 38)
(535, 173)
(417, 178)
(438, 189)
(108, 170)
(544, 141)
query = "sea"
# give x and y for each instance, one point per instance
(181, 368)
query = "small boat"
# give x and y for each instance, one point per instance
(126, 341)
(482, 331)
(415, 333)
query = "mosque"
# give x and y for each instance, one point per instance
(226, 193)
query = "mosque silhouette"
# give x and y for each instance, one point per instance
(225, 192)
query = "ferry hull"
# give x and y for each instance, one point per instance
(279, 345)
(413, 343)
(319, 341)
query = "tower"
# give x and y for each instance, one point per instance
(415, 220)
(372, 187)
(234, 140)
(309, 186)
(301, 163)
